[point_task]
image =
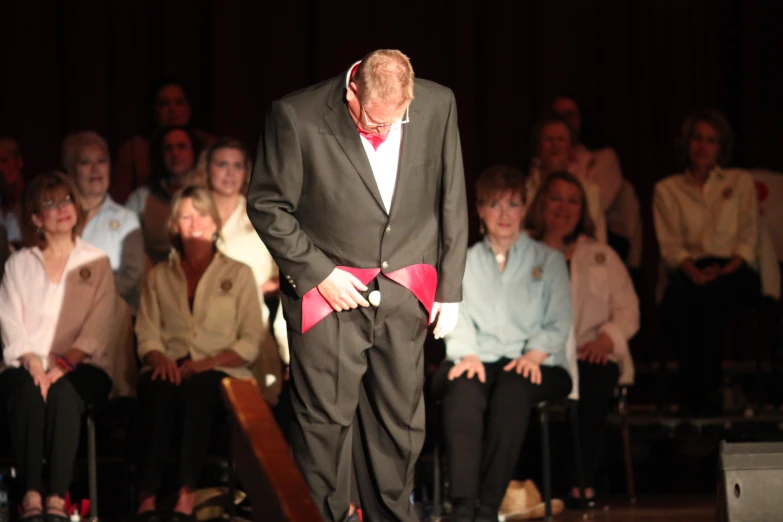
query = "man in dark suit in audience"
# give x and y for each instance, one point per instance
(359, 194)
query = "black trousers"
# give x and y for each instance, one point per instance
(164, 406)
(596, 389)
(49, 429)
(696, 317)
(485, 426)
(361, 373)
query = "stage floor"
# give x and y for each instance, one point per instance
(648, 509)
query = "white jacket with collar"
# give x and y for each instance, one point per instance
(604, 300)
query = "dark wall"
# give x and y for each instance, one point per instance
(640, 65)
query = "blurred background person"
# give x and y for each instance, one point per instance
(168, 106)
(551, 150)
(707, 226)
(174, 153)
(11, 189)
(594, 161)
(228, 167)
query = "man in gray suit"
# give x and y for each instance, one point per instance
(359, 194)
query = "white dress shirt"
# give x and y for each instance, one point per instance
(385, 159)
(41, 317)
(604, 301)
(719, 219)
(601, 168)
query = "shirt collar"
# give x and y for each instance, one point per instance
(717, 172)
(518, 245)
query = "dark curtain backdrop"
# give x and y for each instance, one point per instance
(639, 65)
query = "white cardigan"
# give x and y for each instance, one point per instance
(603, 300)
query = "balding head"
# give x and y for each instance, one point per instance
(385, 76)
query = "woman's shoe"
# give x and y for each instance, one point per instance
(181, 517)
(32, 515)
(56, 515)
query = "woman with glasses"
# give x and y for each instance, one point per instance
(56, 306)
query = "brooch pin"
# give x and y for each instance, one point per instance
(537, 272)
(226, 285)
(727, 193)
(114, 224)
(85, 274)
(600, 258)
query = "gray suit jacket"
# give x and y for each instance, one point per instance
(314, 201)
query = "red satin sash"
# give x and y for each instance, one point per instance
(420, 279)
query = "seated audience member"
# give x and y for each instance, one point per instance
(169, 107)
(174, 153)
(593, 161)
(551, 146)
(706, 222)
(11, 188)
(228, 168)
(56, 305)
(507, 351)
(109, 226)
(198, 322)
(605, 306)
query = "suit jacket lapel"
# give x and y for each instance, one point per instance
(344, 130)
(411, 137)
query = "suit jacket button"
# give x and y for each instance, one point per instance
(388, 229)
(385, 265)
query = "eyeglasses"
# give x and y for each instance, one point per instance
(371, 125)
(51, 205)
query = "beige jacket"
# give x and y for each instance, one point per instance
(225, 314)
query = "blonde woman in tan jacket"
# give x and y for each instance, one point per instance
(198, 323)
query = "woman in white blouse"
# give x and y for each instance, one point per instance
(605, 306)
(108, 225)
(706, 222)
(228, 167)
(198, 323)
(552, 147)
(56, 306)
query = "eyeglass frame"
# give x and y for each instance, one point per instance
(370, 125)
(56, 205)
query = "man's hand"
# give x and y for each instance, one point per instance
(470, 364)
(447, 318)
(341, 290)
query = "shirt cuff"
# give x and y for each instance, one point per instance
(148, 347)
(247, 350)
(745, 253)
